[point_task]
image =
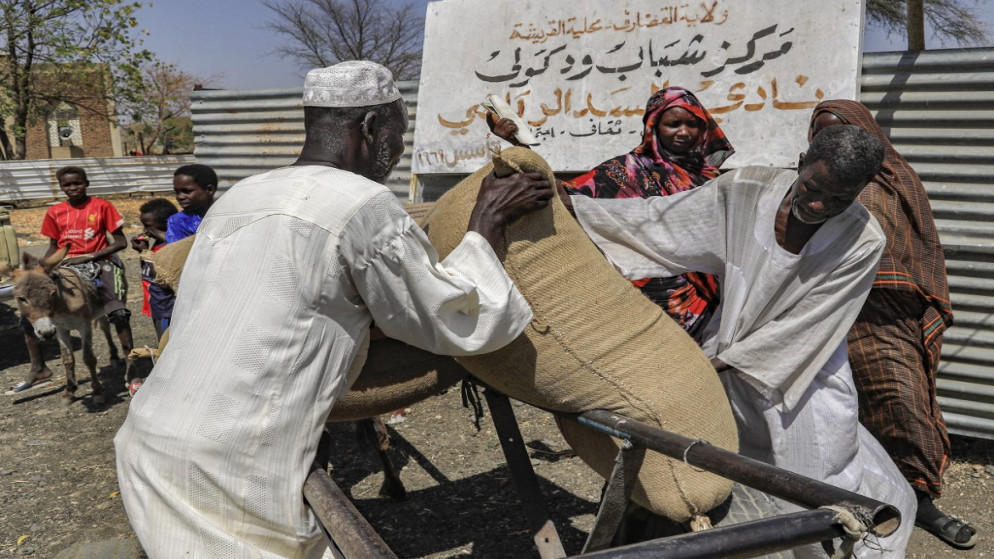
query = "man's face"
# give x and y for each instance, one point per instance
(389, 144)
(817, 196)
(74, 187)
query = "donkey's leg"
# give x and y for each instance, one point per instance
(86, 335)
(68, 364)
(375, 432)
(104, 325)
(39, 369)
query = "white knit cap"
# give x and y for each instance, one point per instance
(355, 83)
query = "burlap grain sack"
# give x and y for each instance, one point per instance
(395, 375)
(169, 261)
(595, 343)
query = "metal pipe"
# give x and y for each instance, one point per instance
(749, 539)
(342, 521)
(778, 482)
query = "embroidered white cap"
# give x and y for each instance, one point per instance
(354, 83)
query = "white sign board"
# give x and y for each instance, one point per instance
(580, 71)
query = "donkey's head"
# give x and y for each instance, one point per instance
(36, 292)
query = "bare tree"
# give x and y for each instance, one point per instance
(325, 32)
(951, 20)
(162, 101)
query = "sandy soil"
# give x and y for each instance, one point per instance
(58, 484)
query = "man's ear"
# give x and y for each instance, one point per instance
(367, 127)
(800, 160)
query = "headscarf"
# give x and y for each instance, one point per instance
(913, 258)
(650, 170)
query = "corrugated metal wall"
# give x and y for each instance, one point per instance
(22, 181)
(938, 109)
(244, 132)
(937, 106)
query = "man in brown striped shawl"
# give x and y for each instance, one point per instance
(895, 342)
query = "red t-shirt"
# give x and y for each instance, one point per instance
(84, 228)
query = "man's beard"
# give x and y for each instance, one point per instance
(382, 167)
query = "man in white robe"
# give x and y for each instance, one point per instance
(795, 257)
(272, 324)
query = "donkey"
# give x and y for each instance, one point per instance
(56, 301)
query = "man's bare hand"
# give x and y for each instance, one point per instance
(503, 128)
(503, 200)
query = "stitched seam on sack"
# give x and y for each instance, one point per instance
(623, 391)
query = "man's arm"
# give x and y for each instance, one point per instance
(463, 305)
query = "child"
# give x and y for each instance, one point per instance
(194, 186)
(154, 216)
(84, 223)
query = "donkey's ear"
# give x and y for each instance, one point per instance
(5, 270)
(54, 260)
(28, 261)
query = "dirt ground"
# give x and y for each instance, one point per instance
(58, 484)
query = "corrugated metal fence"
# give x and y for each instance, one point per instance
(938, 109)
(242, 133)
(22, 181)
(937, 106)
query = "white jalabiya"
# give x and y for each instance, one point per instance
(271, 326)
(782, 321)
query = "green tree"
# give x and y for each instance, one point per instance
(325, 32)
(951, 20)
(85, 52)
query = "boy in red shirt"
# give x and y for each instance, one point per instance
(84, 223)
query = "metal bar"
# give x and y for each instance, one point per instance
(544, 531)
(778, 482)
(748, 539)
(342, 521)
(616, 495)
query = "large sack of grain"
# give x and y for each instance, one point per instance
(169, 261)
(395, 374)
(595, 343)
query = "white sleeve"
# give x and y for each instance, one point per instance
(463, 305)
(659, 236)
